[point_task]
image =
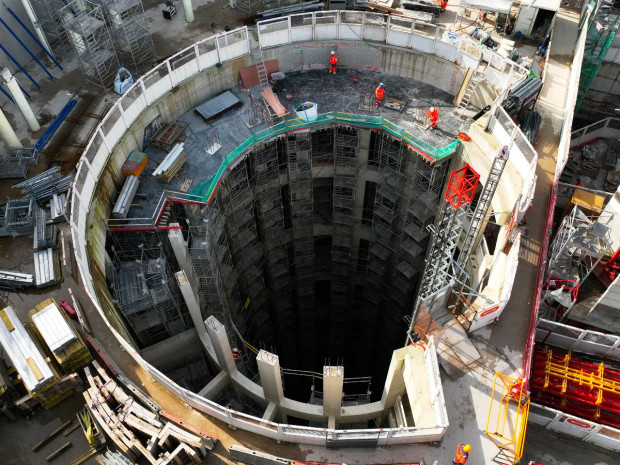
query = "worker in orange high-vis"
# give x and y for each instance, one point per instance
(462, 453)
(433, 115)
(379, 94)
(333, 61)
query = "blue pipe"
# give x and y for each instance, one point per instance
(19, 66)
(26, 48)
(24, 91)
(7, 94)
(34, 38)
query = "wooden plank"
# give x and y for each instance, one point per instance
(58, 451)
(210, 440)
(71, 429)
(51, 436)
(84, 457)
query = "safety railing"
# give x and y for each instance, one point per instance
(586, 430)
(431, 153)
(391, 30)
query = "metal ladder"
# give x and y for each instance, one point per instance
(484, 202)
(472, 85)
(261, 68)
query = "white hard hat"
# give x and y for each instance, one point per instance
(381, 85)
(432, 108)
(333, 52)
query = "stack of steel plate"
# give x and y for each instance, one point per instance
(47, 269)
(15, 280)
(58, 205)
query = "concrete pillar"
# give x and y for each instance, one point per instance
(20, 100)
(219, 339)
(215, 386)
(333, 380)
(7, 134)
(37, 29)
(394, 381)
(270, 376)
(189, 11)
(189, 295)
(179, 247)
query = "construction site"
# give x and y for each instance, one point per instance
(308, 234)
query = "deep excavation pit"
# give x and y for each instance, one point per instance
(317, 240)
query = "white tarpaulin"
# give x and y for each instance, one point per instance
(500, 6)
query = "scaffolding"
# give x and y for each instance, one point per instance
(49, 18)
(19, 216)
(146, 294)
(86, 26)
(299, 163)
(343, 208)
(601, 32)
(580, 243)
(130, 30)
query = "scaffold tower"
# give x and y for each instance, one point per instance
(49, 18)
(439, 260)
(130, 31)
(87, 30)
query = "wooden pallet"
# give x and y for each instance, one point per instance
(168, 134)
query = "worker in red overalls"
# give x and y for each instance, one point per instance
(444, 5)
(379, 94)
(462, 453)
(332, 62)
(433, 115)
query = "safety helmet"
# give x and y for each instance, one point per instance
(432, 109)
(381, 85)
(333, 52)
(467, 448)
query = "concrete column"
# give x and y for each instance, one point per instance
(219, 339)
(7, 134)
(20, 100)
(189, 295)
(215, 386)
(333, 380)
(37, 29)
(270, 376)
(179, 247)
(189, 11)
(394, 381)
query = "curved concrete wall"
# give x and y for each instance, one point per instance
(170, 90)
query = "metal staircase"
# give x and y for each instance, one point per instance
(484, 202)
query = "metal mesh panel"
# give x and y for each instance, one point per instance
(610, 433)
(275, 26)
(81, 178)
(155, 76)
(131, 96)
(600, 338)
(528, 151)
(182, 58)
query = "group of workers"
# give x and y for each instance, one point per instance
(432, 115)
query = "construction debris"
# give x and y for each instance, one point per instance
(168, 134)
(58, 334)
(46, 184)
(13, 280)
(58, 207)
(47, 268)
(125, 421)
(125, 198)
(171, 165)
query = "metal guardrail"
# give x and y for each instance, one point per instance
(207, 189)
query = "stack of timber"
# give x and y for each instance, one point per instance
(125, 198)
(52, 396)
(66, 345)
(171, 165)
(168, 134)
(13, 280)
(124, 421)
(58, 206)
(47, 268)
(22, 352)
(7, 390)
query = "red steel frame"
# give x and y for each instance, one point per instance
(580, 393)
(462, 186)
